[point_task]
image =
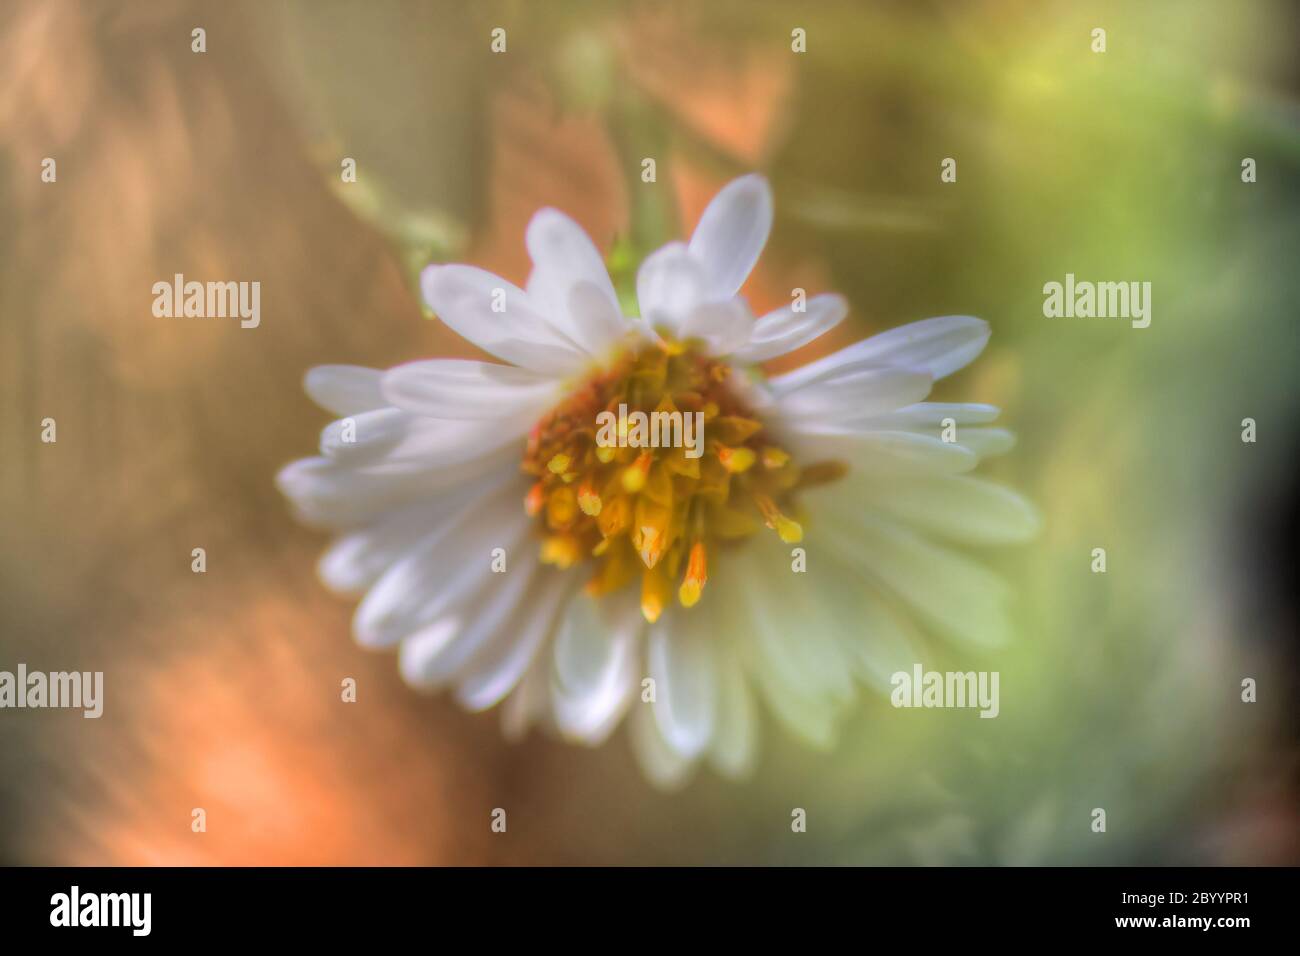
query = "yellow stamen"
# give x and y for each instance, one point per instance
(734, 429)
(629, 512)
(697, 573)
(561, 550)
(588, 500)
(774, 457)
(561, 508)
(652, 545)
(615, 516)
(790, 531)
(634, 475)
(656, 592)
(650, 530)
(736, 460)
(659, 487)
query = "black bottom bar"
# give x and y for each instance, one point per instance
(439, 906)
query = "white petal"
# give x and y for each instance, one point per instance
(964, 600)
(813, 720)
(327, 494)
(986, 442)
(933, 414)
(732, 232)
(881, 642)
(423, 645)
(431, 656)
(980, 442)
(860, 394)
(663, 766)
(356, 560)
(497, 669)
(464, 298)
(464, 389)
(785, 329)
(721, 326)
(443, 572)
(366, 436)
(735, 741)
(877, 453)
(957, 507)
(565, 257)
(939, 346)
(669, 285)
(784, 625)
(594, 669)
(599, 321)
(344, 389)
(792, 673)
(561, 248)
(431, 443)
(875, 640)
(391, 439)
(680, 660)
(528, 702)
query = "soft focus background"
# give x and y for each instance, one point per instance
(1122, 690)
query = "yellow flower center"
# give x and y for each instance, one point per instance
(651, 466)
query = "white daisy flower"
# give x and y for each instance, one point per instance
(624, 564)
